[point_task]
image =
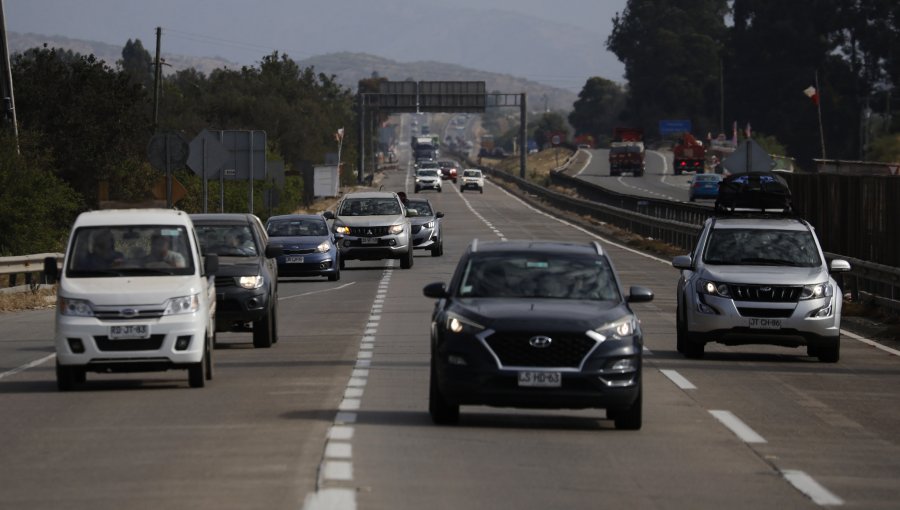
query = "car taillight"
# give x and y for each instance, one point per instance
(683, 163)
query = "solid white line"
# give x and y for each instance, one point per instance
(310, 293)
(807, 485)
(740, 429)
(590, 156)
(678, 379)
(873, 343)
(331, 499)
(337, 470)
(26, 366)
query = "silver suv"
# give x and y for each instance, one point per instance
(759, 279)
(374, 225)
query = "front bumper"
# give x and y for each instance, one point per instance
(471, 185)
(314, 264)
(236, 306)
(425, 238)
(435, 185)
(387, 247)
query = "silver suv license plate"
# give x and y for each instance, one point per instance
(540, 379)
(756, 323)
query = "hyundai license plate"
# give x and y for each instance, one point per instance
(756, 323)
(294, 259)
(368, 240)
(540, 379)
(129, 331)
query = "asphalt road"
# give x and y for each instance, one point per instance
(658, 180)
(335, 414)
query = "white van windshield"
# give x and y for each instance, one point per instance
(142, 250)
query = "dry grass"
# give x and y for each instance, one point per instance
(27, 300)
(538, 165)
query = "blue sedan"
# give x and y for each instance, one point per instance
(307, 244)
(704, 186)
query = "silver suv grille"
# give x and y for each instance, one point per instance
(369, 231)
(765, 293)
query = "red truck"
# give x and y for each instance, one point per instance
(626, 152)
(690, 155)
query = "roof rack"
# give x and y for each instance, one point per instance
(597, 247)
(754, 193)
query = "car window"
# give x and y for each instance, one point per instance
(428, 173)
(370, 207)
(471, 173)
(143, 250)
(297, 227)
(228, 240)
(420, 207)
(557, 277)
(708, 178)
(762, 247)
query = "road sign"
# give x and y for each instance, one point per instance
(207, 154)
(674, 127)
(555, 140)
(167, 151)
(749, 157)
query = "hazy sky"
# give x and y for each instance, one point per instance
(242, 31)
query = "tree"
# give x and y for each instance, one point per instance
(597, 109)
(545, 126)
(671, 50)
(137, 63)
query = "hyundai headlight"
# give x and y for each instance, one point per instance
(458, 324)
(713, 288)
(617, 330)
(75, 307)
(395, 229)
(251, 282)
(184, 304)
(323, 247)
(816, 291)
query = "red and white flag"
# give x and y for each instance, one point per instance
(339, 136)
(813, 94)
(747, 131)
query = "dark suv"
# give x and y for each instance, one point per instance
(247, 280)
(539, 325)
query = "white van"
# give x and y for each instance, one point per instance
(134, 295)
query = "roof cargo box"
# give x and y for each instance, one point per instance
(755, 191)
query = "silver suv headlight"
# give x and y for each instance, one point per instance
(184, 304)
(395, 229)
(817, 290)
(711, 288)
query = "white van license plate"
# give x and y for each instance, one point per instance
(756, 323)
(129, 331)
(540, 379)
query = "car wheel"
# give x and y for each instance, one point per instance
(407, 261)
(335, 275)
(341, 264)
(462, 189)
(693, 350)
(829, 352)
(67, 377)
(262, 332)
(680, 334)
(630, 418)
(481, 190)
(438, 249)
(197, 372)
(441, 411)
(274, 314)
(209, 361)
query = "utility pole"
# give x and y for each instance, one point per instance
(157, 80)
(819, 108)
(523, 133)
(361, 138)
(6, 83)
(721, 96)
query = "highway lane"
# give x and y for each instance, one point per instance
(658, 181)
(340, 405)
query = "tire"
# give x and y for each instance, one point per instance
(416, 190)
(407, 261)
(262, 332)
(197, 372)
(441, 190)
(693, 350)
(481, 190)
(210, 366)
(67, 377)
(691, 199)
(441, 411)
(677, 171)
(438, 249)
(680, 334)
(632, 417)
(341, 264)
(829, 352)
(462, 189)
(336, 275)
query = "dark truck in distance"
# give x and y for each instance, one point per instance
(626, 152)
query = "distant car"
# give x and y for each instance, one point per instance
(704, 186)
(538, 325)
(426, 227)
(308, 247)
(472, 178)
(375, 226)
(427, 164)
(428, 178)
(449, 170)
(247, 281)
(498, 152)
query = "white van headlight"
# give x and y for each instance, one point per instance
(75, 307)
(184, 304)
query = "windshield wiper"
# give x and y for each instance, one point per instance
(770, 262)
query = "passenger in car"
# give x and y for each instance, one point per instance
(161, 254)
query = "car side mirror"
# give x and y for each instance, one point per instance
(436, 290)
(273, 250)
(51, 270)
(439, 215)
(639, 295)
(338, 237)
(328, 215)
(411, 213)
(211, 264)
(682, 262)
(839, 266)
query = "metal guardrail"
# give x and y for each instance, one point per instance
(27, 265)
(680, 224)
